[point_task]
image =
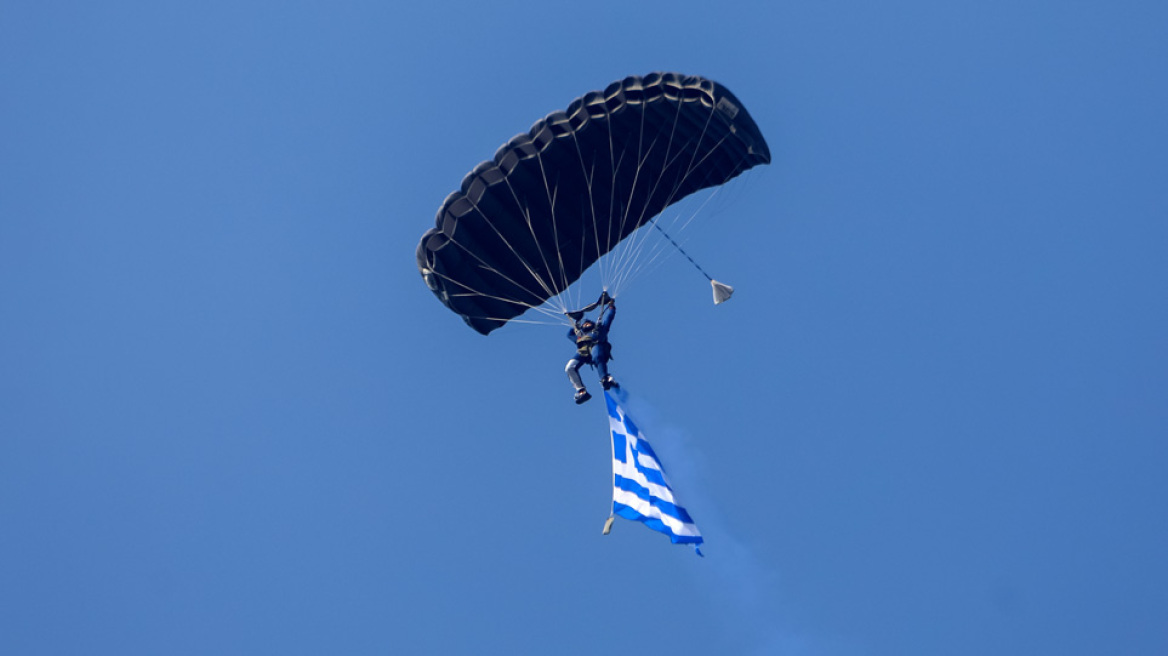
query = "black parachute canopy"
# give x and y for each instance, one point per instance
(528, 223)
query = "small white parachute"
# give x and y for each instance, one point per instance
(722, 291)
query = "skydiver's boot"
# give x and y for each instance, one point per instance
(608, 383)
(582, 395)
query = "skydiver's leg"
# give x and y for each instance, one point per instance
(573, 371)
(600, 353)
(602, 356)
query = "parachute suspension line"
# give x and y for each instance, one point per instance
(589, 176)
(589, 217)
(544, 283)
(557, 285)
(630, 261)
(574, 294)
(636, 262)
(656, 251)
(627, 256)
(488, 267)
(642, 157)
(588, 185)
(551, 197)
(474, 292)
(614, 166)
(635, 246)
(604, 266)
(639, 241)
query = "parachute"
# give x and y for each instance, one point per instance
(556, 200)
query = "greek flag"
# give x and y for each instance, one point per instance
(640, 490)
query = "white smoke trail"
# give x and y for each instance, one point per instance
(741, 588)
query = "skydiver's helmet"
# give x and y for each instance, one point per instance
(587, 325)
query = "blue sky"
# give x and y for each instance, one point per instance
(233, 420)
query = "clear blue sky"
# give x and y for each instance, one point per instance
(233, 420)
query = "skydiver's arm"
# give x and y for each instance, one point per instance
(576, 315)
(606, 315)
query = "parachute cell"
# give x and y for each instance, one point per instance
(555, 200)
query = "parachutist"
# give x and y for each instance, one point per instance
(592, 347)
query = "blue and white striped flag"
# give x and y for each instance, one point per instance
(640, 490)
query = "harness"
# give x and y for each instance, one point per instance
(587, 339)
(584, 343)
